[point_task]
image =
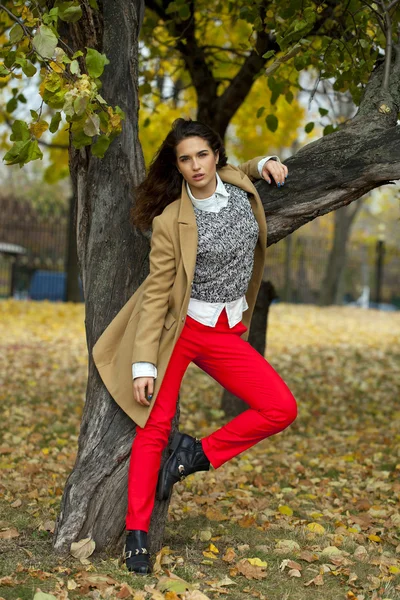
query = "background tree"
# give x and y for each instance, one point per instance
(324, 175)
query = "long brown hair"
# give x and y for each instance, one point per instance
(163, 183)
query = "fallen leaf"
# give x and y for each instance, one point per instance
(285, 510)
(250, 571)
(316, 528)
(83, 548)
(283, 546)
(318, 580)
(229, 555)
(8, 534)
(257, 562)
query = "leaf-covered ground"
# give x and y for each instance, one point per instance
(313, 512)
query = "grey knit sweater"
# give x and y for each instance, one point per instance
(225, 254)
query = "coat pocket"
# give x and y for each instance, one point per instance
(169, 320)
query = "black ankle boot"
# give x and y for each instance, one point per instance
(187, 457)
(136, 554)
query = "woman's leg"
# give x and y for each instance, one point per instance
(151, 440)
(239, 368)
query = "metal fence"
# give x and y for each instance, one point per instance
(33, 248)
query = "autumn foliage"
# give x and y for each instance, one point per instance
(311, 512)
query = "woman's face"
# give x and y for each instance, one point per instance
(197, 163)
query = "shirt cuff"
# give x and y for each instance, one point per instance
(262, 162)
(144, 369)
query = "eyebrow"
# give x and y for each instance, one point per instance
(187, 156)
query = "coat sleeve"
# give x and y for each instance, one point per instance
(250, 167)
(157, 286)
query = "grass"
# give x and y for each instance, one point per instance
(334, 470)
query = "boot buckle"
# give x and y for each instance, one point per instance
(181, 470)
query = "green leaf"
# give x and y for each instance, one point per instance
(29, 69)
(95, 62)
(11, 105)
(100, 99)
(309, 127)
(10, 58)
(53, 82)
(93, 4)
(184, 12)
(80, 104)
(323, 111)
(101, 145)
(260, 112)
(269, 54)
(3, 71)
(79, 137)
(92, 124)
(34, 114)
(23, 152)
(20, 131)
(289, 97)
(172, 7)
(16, 34)
(70, 12)
(328, 129)
(146, 122)
(119, 112)
(45, 42)
(145, 88)
(74, 67)
(55, 122)
(272, 122)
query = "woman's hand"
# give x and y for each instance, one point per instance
(278, 171)
(139, 389)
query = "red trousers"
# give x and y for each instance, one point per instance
(233, 362)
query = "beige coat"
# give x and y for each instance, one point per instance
(149, 324)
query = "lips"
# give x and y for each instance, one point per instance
(198, 177)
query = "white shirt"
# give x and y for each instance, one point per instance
(207, 313)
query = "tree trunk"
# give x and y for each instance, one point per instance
(73, 292)
(231, 404)
(344, 218)
(113, 262)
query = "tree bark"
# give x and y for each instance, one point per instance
(231, 404)
(73, 292)
(113, 261)
(113, 258)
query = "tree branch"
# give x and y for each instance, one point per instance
(328, 174)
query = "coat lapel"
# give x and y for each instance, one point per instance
(188, 236)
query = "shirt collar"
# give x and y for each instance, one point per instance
(219, 191)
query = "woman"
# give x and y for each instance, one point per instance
(206, 264)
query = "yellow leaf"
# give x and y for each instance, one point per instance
(285, 510)
(209, 554)
(374, 538)
(37, 129)
(316, 528)
(257, 562)
(58, 68)
(393, 569)
(213, 548)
